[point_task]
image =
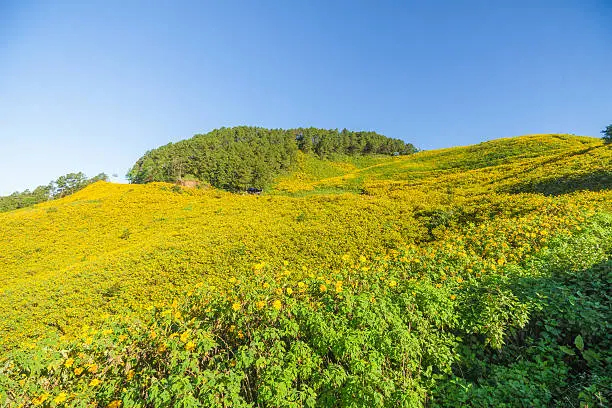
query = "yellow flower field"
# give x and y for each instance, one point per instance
(113, 248)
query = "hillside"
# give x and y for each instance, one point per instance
(459, 237)
(243, 157)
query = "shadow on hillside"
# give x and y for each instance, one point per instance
(552, 160)
(596, 181)
(559, 357)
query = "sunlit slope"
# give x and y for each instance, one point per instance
(548, 164)
(112, 247)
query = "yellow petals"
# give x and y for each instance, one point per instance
(41, 399)
(61, 397)
(236, 306)
(190, 346)
(95, 382)
(260, 304)
(114, 404)
(78, 371)
(323, 288)
(338, 286)
(277, 304)
(69, 362)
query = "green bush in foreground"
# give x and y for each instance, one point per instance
(379, 333)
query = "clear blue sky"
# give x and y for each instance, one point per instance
(91, 85)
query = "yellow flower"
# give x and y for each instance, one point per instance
(162, 347)
(338, 286)
(260, 304)
(185, 336)
(301, 285)
(236, 306)
(266, 285)
(92, 368)
(69, 362)
(61, 397)
(362, 259)
(114, 404)
(438, 285)
(277, 304)
(279, 291)
(78, 371)
(95, 382)
(346, 257)
(232, 280)
(40, 399)
(190, 346)
(453, 297)
(392, 283)
(130, 375)
(289, 291)
(323, 288)
(459, 279)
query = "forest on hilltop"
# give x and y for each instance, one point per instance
(61, 187)
(243, 157)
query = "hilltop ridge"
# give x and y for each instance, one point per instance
(244, 157)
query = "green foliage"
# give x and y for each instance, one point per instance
(561, 356)
(607, 134)
(378, 333)
(63, 186)
(238, 158)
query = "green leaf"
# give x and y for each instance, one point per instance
(579, 342)
(567, 350)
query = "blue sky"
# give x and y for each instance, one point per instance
(90, 86)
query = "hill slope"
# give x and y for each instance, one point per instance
(112, 245)
(437, 219)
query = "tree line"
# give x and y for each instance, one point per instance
(243, 157)
(61, 187)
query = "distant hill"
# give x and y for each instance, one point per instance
(239, 158)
